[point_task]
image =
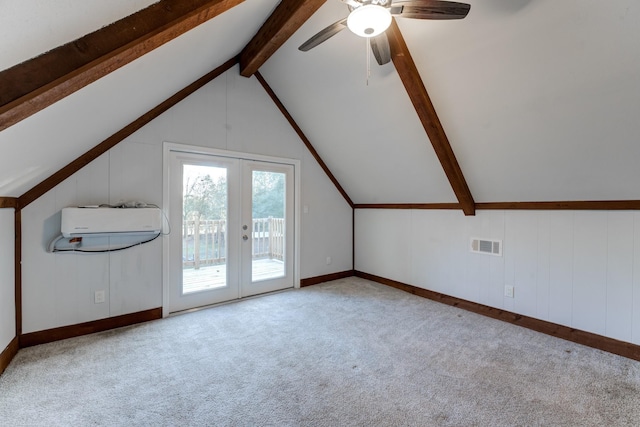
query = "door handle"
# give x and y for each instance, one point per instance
(245, 237)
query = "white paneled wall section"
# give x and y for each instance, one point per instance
(575, 268)
(231, 113)
(7, 284)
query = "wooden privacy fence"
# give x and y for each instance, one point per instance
(204, 242)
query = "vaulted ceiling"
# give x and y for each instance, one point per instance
(538, 98)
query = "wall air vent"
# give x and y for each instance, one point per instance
(486, 246)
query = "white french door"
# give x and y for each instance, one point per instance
(232, 229)
(267, 227)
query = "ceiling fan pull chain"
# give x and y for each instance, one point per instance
(368, 46)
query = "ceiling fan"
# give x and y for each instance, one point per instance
(371, 18)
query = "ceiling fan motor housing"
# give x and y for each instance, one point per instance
(369, 20)
(362, 19)
(383, 3)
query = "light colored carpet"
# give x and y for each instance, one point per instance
(344, 353)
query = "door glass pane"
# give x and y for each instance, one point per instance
(204, 228)
(268, 208)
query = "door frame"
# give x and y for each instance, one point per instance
(167, 148)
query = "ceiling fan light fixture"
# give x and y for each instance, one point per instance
(369, 20)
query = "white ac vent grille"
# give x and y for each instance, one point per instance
(486, 246)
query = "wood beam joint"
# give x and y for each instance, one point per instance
(8, 202)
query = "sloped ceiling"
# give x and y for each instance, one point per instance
(539, 99)
(31, 27)
(38, 146)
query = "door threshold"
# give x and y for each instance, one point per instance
(232, 301)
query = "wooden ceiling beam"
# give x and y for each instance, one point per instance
(411, 206)
(80, 162)
(37, 83)
(573, 205)
(285, 20)
(412, 81)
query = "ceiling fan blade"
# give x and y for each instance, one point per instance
(430, 9)
(324, 35)
(381, 49)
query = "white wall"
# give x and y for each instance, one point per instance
(7, 284)
(231, 113)
(576, 268)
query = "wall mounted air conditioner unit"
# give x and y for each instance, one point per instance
(110, 221)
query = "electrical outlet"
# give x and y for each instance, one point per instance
(329, 260)
(99, 297)
(508, 291)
